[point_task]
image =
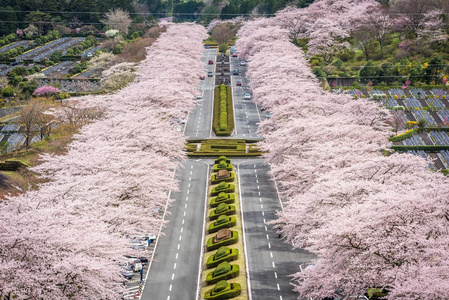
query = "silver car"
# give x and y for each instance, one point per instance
(247, 96)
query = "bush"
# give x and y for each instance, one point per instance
(222, 158)
(403, 136)
(228, 210)
(222, 254)
(224, 271)
(222, 187)
(215, 181)
(7, 92)
(223, 290)
(222, 165)
(223, 221)
(222, 198)
(232, 240)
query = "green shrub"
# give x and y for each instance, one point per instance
(217, 161)
(215, 181)
(222, 254)
(224, 271)
(223, 291)
(222, 165)
(445, 171)
(223, 221)
(221, 269)
(227, 199)
(232, 240)
(222, 208)
(222, 187)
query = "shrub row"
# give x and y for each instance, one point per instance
(426, 148)
(223, 118)
(403, 136)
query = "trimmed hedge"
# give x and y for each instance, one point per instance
(403, 136)
(230, 210)
(215, 181)
(222, 158)
(232, 240)
(223, 165)
(227, 188)
(229, 255)
(223, 290)
(213, 278)
(235, 154)
(217, 225)
(426, 148)
(228, 199)
(223, 117)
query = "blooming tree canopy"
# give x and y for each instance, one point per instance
(374, 220)
(66, 239)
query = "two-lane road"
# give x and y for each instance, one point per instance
(270, 260)
(174, 272)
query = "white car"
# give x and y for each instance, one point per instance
(243, 63)
(247, 96)
(136, 264)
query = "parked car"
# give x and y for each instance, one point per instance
(268, 116)
(143, 259)
(211, 62)
(202, 77)
(247, 96)
(136, 264)
(210, 74)
(198, 98)
(235, 72)
(238, 83)
(139, 244)
(127, 270)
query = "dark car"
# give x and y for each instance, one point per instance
(211, 62)
(202, 77)
(239, 83)
(235, 72)
(234, 54)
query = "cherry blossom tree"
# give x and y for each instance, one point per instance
(373, 220)
(66, 239)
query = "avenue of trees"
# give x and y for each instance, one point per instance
(373, 218)
(66, 239)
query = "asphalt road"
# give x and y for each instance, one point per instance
(246, 113)
(199, 123)
(173, 274)
(270, 260)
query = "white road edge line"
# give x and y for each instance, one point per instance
(248, 281)
(198, 289)
(158, 235)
